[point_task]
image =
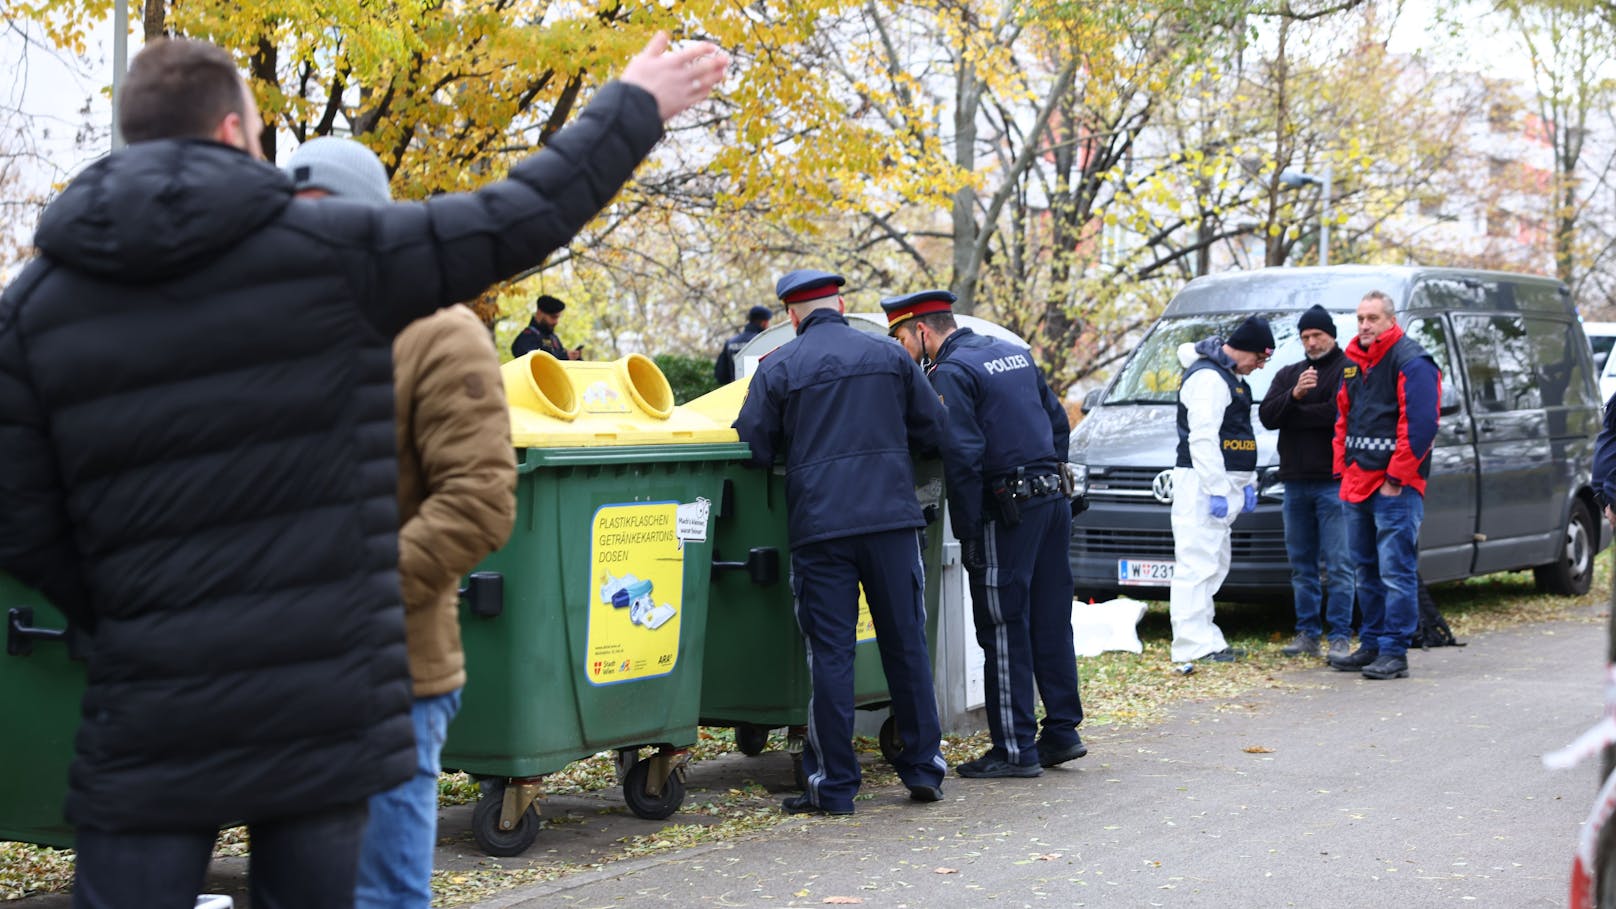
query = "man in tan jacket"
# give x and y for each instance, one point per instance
(456, 504)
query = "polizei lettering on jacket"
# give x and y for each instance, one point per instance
(1005, 364)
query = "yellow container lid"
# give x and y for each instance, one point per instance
(723, 404)
(581, 403)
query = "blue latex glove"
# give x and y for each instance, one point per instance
(1251, 500)
(1220, 506)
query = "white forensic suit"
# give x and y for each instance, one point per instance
(1201, 541)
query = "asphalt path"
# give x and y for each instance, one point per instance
(1326, 790)
(1332, 790)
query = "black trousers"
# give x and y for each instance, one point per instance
(304, 861)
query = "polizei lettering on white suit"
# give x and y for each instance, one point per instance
(1005, 364)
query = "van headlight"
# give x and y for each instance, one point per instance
(1078, 476)
(1269, 485)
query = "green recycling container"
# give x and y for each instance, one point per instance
(587, 631)
(755, 677)
(40, 714)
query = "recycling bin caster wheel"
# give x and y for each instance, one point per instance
(643, 803)
(891, 745)
(751, 739)
(798, 777)
(486, 830)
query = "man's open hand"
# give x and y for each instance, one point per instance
(677, 79)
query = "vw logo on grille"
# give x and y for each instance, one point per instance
(1162, 487)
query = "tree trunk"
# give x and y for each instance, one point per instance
(1275, 249)
(967, 99)
(155, 19)
(261, 65)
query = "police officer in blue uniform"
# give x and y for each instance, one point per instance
(757, 321)
(1003, 459)
(844, 409)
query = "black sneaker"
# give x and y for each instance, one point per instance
(1356, 660)
(1390, 666)
(1050, 757)
(988, 767)
(799, 804)
(925, 793)
(1226, 655)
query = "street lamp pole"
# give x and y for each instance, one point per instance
(120, 62)
(1296, 179)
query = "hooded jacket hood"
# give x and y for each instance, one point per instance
(1210, 348)
(157, 209)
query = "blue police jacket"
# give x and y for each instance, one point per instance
(1605, 458)
(844, 408)
(1002, 416)
(724, 367)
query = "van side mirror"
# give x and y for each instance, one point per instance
(1450, 403)
(1092, 399)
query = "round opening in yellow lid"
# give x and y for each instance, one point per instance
(552, 390)
(647, 385)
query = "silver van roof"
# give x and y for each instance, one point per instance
(1336, 287)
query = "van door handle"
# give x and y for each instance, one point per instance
(1460, 429)
(1487, 426)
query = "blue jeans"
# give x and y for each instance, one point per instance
(1384, 535)
(395, 864)
(1316, 538)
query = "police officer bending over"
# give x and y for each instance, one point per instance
(845, 409)
(1006, 446)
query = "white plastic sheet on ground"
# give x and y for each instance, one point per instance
(1111, 625)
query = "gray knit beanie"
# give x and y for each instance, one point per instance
(341, 167)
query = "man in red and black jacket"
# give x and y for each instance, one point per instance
(1388, 403)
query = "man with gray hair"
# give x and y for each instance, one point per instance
(456, 501)
(1388, 402)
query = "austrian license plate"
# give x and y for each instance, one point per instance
(1149, 574)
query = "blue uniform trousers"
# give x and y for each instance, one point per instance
(1023, 610)
(825, 578)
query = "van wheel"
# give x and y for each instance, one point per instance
(1573, 573)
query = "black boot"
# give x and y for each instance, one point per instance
(1390, 666)
(1356, 660)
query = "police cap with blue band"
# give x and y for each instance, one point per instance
(806, 284)
(921, 303)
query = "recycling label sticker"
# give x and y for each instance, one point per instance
(637, 573)
(865, 629)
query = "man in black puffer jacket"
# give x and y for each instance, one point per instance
(196, 418)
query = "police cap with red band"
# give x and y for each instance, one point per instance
(921, 303)
(806, 284)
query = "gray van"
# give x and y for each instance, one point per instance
(1509, 486)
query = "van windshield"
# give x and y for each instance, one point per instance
(1152, 374)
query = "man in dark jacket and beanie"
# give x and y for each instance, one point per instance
(757, 321)
(844, 409)
(196, 417)
(540, 333)
(1301, 405)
